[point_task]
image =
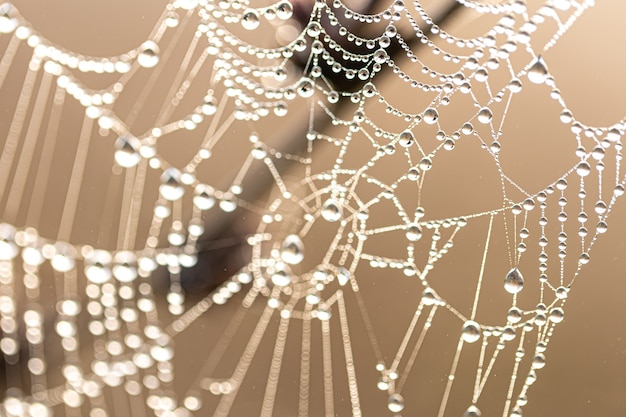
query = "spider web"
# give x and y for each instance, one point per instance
(401, 258)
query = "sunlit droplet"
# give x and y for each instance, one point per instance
(395, 403)
(292, 250)
(148, 54)
(470, 332)
(331, 210)
(538, 72)
(250, 19)
(514, 281)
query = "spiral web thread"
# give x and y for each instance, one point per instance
(348, 206)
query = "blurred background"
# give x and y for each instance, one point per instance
(586, 367)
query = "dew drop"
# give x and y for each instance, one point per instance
(331, 210)
(514, 282)
(306, 88)
(8, 23)
(430, 116)
(292, 250)
(484, 115)
(343, 276)
(539, 361)
(514, 315)
(429, 297)
(538, 72)
(583, 169)
(250, 19)
(414, 232)
(171, 188)
(557, 315)
(406, 139)
(148, 54)
(426, 163)
(203, 198)
(395, 403)
(284, 10)
(472, 411)
(281, 278)
(471, 331)
(126, 154)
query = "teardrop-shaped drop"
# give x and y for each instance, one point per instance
(126, 154)
(471, 331)
(292, 250)
(148, 54)
(171, 188)
(538, 72)
(395, 403)
(331, 210)
(514, 281)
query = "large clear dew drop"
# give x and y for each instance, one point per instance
(514, 281)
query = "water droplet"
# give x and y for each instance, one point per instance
(430, 116)
(126, 154)
(281, 278)
(209, 105)
(556, 315)
(125, 269)
(471, 331)
(324, 314)
(514, 315)
(171, 188)
(97, 269)
(306, 88)
(583, 169)
(414, 232)
(8, 22)
(538, 72)
(539, 361)
(172, 19)
(64, 259)
(406, 139)
(8, 248)
(203, 198)
(284, 10)
(331, 210)
(187, 4)
(292, 251)
(250, 19)
(148, 54)
(395, 403)
(514, 281)
(383, 384)
(484, 115)
(343, 276)
(472, 411)
(426, 163)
